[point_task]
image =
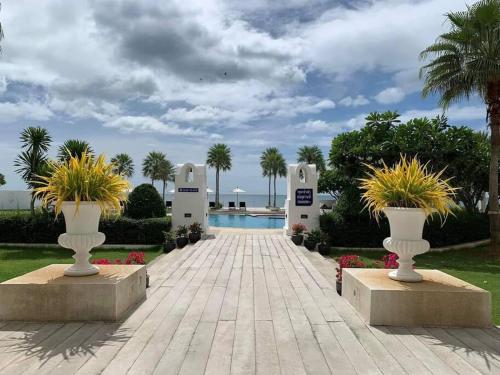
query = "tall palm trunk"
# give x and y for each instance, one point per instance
(493, 102)
(164, 188)
(269, 195)
(274, 200)
(32, 204)
(153, 181)
(217, 187)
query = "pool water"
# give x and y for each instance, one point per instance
(247, 221)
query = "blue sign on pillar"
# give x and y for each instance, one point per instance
(303, 197)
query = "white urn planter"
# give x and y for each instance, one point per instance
(407, 225)
(82, 234)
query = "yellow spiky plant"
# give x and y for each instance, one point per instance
(82, 179)
(408, 184)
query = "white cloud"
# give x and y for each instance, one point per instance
(390, 95)
(354, 102)
(384, 35)
(11, 112)
(206, 115)
(148, 124)
(454, 113)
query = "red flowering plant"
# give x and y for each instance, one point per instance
(390, 261)
(298, 229)
(348, 261)
(133, 258)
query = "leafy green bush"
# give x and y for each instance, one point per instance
(45, 229)
(362, 231)
(145, 202)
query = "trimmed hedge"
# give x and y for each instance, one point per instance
(46, 229)
(361, 231)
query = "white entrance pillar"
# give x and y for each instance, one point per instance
(302, 203)
(190, 198)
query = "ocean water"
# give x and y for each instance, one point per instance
(251, 200)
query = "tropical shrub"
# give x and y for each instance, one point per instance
(82, 179)
(407, 184)
(461, 150)
(145, 202)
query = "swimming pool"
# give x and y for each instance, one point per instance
(247, 221)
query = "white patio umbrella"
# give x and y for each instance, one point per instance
(237, 190)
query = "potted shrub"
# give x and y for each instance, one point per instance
(297, 233)
(346, 261)
(82, 188)
(169, 243)
(407, 194)
(323, 247)
(181, 236)
(312, 239)
(195, 232)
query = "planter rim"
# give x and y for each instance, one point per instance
(82, 203)
(411, 209)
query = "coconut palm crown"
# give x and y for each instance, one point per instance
(466, 61)
(151, 166)
(73, 148)
(123, 165)
(32, 161)
(219, 157)
(311, 155)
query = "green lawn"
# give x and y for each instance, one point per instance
(11, 213)
(17, 261)
(470, 265)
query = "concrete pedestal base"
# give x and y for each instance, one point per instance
(439, 300)
(47, 295)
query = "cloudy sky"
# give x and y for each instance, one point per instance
(179, 75)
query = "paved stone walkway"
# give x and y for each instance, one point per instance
(244, 304)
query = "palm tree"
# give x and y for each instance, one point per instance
(311, 155)
(151, 165)
(2, 179)
(266, 170)
(465, 61)
(73, 148)
(167, 173)
(32, 161)
(219, 157)
(123, 165)
(277, 167)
